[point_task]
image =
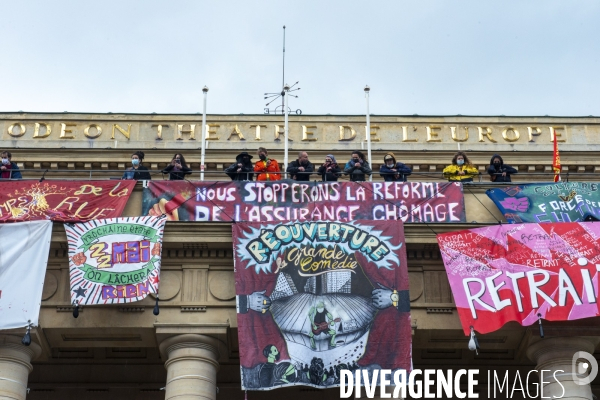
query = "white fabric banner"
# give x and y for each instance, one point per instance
(24, 248)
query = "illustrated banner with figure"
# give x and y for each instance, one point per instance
(305, 201)
(315, 298)
(24, 250)
(114, 261)
(65, 201)
(522, 273)
(548, 202)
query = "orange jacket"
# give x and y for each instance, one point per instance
(266, 172)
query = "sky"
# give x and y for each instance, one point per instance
(530, 58)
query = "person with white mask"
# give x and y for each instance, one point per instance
(392, 170)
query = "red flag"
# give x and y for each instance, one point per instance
(556, 161)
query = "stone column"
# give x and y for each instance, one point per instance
(192, 365)
(555, 356)
(15, 366)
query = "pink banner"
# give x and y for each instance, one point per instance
(522, 272)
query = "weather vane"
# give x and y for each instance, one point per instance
(286, 89)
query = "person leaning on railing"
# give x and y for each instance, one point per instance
(393, 170)
(137, 171)
(266, 169)
(301, 168)
(461, 169)
(9, 169)
(178, 168)
(500, 172)
(330, 171)
(242, 169)
(357, 168)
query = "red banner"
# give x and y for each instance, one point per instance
(523, 273)
(305, 201)
(65, 201)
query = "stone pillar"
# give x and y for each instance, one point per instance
(192, 365)
(15, 366)
(555, 356)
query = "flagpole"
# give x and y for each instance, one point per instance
(286, 89)
(203, 145)
(367, 90)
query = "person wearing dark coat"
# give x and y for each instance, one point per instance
(330, 171)
(8, 168)
(500, 172)
(137, 171)
(178, 168)
(392, 170)
(242, 169)
(301, 169)
(358, 168)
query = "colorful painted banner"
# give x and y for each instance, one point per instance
(65, 201)
(306, 201)
(114, 261)
(548, 202)
(523, 272)
(23, 258)
(315, 298)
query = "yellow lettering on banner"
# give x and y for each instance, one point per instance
(236, 131)
(405, 134)
(125, 133)
(343, 137)
(515, 135)
(86, 131)
(487, 132)
(307, 136)
(432, 134)
(68, 200)
(64, 131)
(36, 130)
(257, 134)
(159, 130)
(181, 131)
(88, 189)
(123, 192)
(210, 131)
(22, 130)
(556, 129)
(374, 137)
(533, 131)
(453, 129)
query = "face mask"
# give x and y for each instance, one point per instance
(178, 161)
(262, 157)
(460, 162)
(389, 163)
(135, 162)
(355, 160)
(496, 164)
(5, 161)
(245, 159)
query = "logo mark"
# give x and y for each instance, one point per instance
(584, 368)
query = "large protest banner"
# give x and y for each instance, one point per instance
(548, 202)
(309, 201)
(315, 298)
(65, 201)
(23, 258)
(114, 261)
(523, 272)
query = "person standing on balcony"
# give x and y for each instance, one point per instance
(461, 169)
(242, 169)
(137, 171)
(392, 170)
(330, 171)
(500, 172)
(357, 167)
(178, 168)
(9, 169)
(301, 169)
(266, 169)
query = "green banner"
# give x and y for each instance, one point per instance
(93, 235)
(118, 278)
